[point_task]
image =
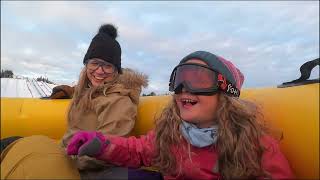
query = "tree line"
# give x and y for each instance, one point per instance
(6, 74)
(9, 74)
(154, 94)
(43, 79)
(150, 94)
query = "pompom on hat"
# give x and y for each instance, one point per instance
(105, 46)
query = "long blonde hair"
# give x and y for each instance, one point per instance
(83, 95)
(241, 127)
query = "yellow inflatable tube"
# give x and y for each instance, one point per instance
(293, 110)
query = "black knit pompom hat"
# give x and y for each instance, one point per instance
(105, 46)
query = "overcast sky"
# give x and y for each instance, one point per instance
(268, 41)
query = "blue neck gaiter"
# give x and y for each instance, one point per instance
(199, 137)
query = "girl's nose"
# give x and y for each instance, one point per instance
(181, 89)
(184, 90)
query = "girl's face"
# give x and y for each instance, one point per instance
(99, 71)
(197, 109)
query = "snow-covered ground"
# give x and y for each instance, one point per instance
(25, 88)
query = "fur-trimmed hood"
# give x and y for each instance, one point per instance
(128, 83)
(132, 79)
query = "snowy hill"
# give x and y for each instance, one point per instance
(25, 88)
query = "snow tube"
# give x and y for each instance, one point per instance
(293, 110)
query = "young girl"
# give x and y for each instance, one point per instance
(206, 132)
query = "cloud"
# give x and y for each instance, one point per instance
(268, 40)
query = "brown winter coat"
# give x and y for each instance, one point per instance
(113, 111)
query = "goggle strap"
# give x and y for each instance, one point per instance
(171, 79)
(227, 87)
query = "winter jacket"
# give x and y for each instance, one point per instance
(114, 112)
(201, 164)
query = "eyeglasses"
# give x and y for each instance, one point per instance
(95, 64)
(200, 79)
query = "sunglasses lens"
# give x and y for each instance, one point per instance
(196, 77)
(92, 65)
(106, 67)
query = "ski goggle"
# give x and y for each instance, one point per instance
(94, 64)
(200, 80)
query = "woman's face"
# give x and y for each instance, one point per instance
(197, 109)
(99, 71)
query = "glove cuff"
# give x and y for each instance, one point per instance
(94, 147)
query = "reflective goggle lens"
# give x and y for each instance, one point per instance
(196, 77)
(200, 79)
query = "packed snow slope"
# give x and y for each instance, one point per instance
(25, 88)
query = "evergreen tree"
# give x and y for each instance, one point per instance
(6, 74)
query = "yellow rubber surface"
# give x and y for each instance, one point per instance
(293, 110)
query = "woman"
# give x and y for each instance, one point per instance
(106, 96)
(105, 99)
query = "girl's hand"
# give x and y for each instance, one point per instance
(87, 143)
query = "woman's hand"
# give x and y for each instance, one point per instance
(87, 143)
(62, 92)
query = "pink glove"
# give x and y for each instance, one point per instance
(92, 144)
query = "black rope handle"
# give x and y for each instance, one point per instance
(305, 70)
